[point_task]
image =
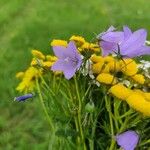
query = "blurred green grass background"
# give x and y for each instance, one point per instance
(31, 24)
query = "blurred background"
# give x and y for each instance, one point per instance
(32, 24)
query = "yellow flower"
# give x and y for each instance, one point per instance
(96, 68)
(120, 91)
(108, 59)
(114, 66)
(138, 78)
(59, 43)
(128, 67)
(106, 78)
(90, 46)
(139, 103)
(51, 58)
(105, 69)
(36, 62)
(38, 54)
(145, 94)
(28, 82)
(94, 58)
(20, 75)
(78, 39)
(47, 64)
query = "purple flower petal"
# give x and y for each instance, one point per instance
(130, 44)
(143, 50)
(60, 51)
(136, 40)
(58, 65)
(69, 60)
(69, 73)
(128, 140)
(127, 32)
(108, 47)
(114, 37)
(111, 28)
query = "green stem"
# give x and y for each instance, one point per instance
(43, 105)
(108, 106)
(79, 113)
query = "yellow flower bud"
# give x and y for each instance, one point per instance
(106, 78)
(47, 64)
(51, 58)
(90, 46)
(20, 75)
(96, 68)
(108, 59)
(78, 39)
(94, 58)
(139, 103)
(138, 78)
(59, 43)
(114, 66)
(128, 67)
(38, 54)
(120, 91)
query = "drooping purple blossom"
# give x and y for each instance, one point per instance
(126, 43)
(69, 60)
(127, 140)
(23, 97)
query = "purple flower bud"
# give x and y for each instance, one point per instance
(23, 97)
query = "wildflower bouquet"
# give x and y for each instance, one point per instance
(95, 96)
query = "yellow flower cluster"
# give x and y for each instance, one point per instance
(110, 66)
(137, 99)
(83, 46)
(38, 63)
(28, 77)
(39, 59)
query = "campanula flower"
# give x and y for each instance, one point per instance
(125, 43)
(69, 60)
(127, 140)
(23, 97)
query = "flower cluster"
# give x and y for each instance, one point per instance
(104, 79)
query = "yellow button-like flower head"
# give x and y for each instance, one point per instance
(120, 91)
(94, 58)
(20, 75)
(96, 68)
(38, 54)
(128, 67)
(106, 78)
(138, 78)
(59, 43)
(78, 39)
(139, 103)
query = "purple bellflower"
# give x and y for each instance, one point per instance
(127, 140)
(23, 97)
(125, 43)
(69, 60)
